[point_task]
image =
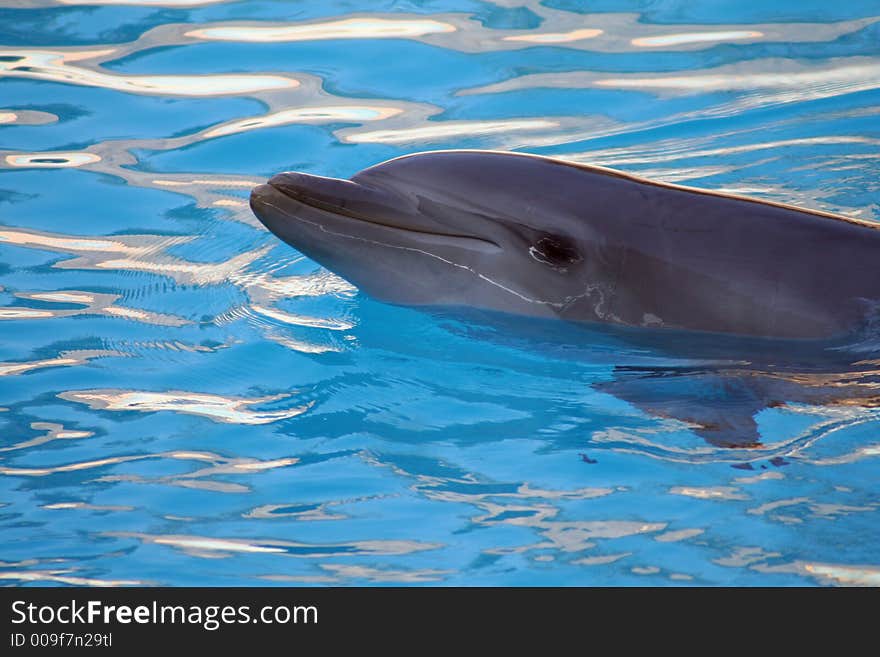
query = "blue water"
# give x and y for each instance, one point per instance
(187, 401)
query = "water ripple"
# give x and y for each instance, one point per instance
(350, 28)
(206, 399)
(55, 67)
(209, 547)
(234, 410)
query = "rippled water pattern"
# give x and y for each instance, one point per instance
(187, 401)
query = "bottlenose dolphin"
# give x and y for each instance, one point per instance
(708, 307)
(542, 237)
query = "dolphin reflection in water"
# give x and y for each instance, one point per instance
(765, 296)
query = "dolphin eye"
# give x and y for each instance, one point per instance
(556, 251)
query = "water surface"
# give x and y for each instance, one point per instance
(186, 401)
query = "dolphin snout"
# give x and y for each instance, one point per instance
(316, 190)
(336, 195)
(354, 200)
(292, 195)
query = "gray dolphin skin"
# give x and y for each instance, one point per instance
(542, 237)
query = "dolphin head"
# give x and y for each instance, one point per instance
(451, 228)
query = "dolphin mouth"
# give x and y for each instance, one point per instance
(344, 198)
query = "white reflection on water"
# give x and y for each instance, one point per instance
(52, 159)
(65, 577)
(810, 83)
(73, 467)
(316, 114)
(288, 511)
(762, 561)
(521, 508)
(686, 159)
(695, 37)
(144, 3)
(577, 536)
(602, 560)
(601, 32)
(131, 253)
(346, 573)
(448, 129)
(764, 476)
(214, 182)
(866, 451)
(844, 574)
(799, 81)
(232, 410)
(658, 442)
(203, 478)
(819, 510)
(53, 431)
(385, 575)
(146, 253)
(203, 546)
(669, 151)
(350, 28)
(129, 244)
(302, 320)
(55, 66)
(709, 492)
(26, 117)
(85, 506)
(93, 303)
(555, 37)
(299, 345)
(678, 535)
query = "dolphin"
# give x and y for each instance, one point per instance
(530, 235)
(710, 307)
